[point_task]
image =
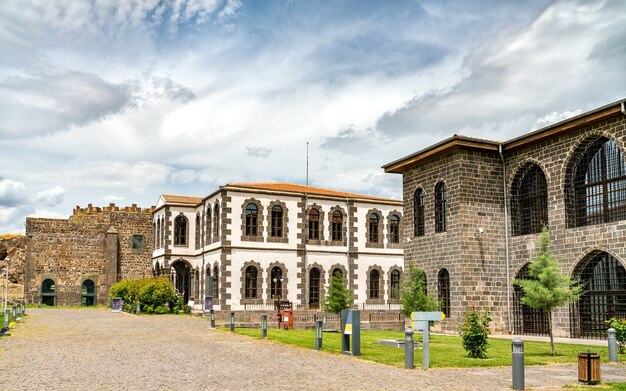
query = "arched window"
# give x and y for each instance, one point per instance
(314, 287)
(440, 207)
(373, 292)
(394, 229)
(88, 293)
(444, 291)
(180, 230)
(216, 228)
(277, 222)
(156, 234)
(252, 220)
(48, 292)
(216, 288)
(600, 184)
(276, 276)
(337, 272)
(162, 232)
(251, 283)
(418, 213)
(157, 241)
(207, 224)
(527, 320)
(314, 224)
(336, 226)
(529, 203)
(197, 230)
(373, 228)
(395, 285)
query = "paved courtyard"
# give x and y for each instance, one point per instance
(88, 349)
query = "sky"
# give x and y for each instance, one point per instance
(120, 101)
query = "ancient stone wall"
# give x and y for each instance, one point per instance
(12, 250)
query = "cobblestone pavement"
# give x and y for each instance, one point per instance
(88, 349)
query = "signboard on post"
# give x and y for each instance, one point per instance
(117, 304)
(208, 304)
(348, 329)
(420, 322)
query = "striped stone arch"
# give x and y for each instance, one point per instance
(344, 229)
(371, 287)
(259, 283)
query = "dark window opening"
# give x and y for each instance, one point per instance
(88, 293)
(373, 228)
(530, 202)
(48, 292)
(276, 283)
(252, 217)
(314, 287)
(444, 291)
(395, 285)
(394, 229)
(180, 230)
(440, 207)
(277, 222)
(374, 284)
(336, 226)
(251, 283)
(314, 224)
(418, 213)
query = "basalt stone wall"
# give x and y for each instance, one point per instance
(12, 250)
(94, 243)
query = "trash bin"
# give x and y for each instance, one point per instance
(288, 318)
(589, 367)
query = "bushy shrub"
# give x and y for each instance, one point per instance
(474, 332)
(620, 332)
(156, 295)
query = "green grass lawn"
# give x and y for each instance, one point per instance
(445, 351)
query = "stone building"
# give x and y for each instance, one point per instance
(75, 261)
(249, 244)
(474, 208)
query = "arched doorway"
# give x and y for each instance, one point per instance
(48, 292)
(604, 285)
(527, 320)
(181, 278)
(88, 293)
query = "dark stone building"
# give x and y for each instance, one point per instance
(75, 261)
(474, 209)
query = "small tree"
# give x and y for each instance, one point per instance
(474, 332)
(338, 297)
(547, 288)
(413, 293)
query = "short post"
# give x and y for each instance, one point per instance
(318, 334)
(13, 313)
(6, 318)
(612, 345)
(409, 359)
(517, 349)
(232, 321)
(18, 313)
(426, 347)
(212, 318)
(23, 309)
(263, 326)
(138, 309)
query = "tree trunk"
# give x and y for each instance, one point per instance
(551, 336)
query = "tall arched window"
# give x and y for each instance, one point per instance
(251, 283)
(440, 207)
(600, 184)
(208, 224)
(418, 213)
(180, 230)
(373, 291)
(216, 288)
(216, 228)
(157, 242)
(155, 229)
(277, 222)
(197, 230)
(48, 292)
(395, 285)
(314, 224)
(336, 226)
(314, 287)
(373, 228)
(276, 282)
(88, 293)
(252, 220)
(444, 291)
(394, 229)
(162, 233)
(530, 201)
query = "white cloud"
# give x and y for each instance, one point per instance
(113, 198)
(47, 214)
(258, 151)
(51, 197)
(555, 117)
(12, 193)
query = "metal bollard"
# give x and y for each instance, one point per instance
(318, 334)
(7, 313)
(212, 318)
(232, 321)
(13, 312)
(612, 345)
(517, 348)
(138, 309)
(23, 309)
(263, 326)
(18, 314)
(409, 353)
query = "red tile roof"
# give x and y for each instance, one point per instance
(178, 199)
(293, 188)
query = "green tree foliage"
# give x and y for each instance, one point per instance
(413, 293)
(337, 298)
(156, 295)
(620, 332)
(547, 288)
(474, 332)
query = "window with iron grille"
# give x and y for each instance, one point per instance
(180, 230)
(336, 226)
(251, 282)
(418, 213)
(252, 218)
(314, 286)
(276, 282)
(394, 229)
(395, 285)
(277, 222)
(314, 224)
(373, 228)
(208, 224)
(216, 228)
(197, 231)
(444, 291)
(216, 288)
(374, 284)
(440, 207)
(600, 184)
(529, 202)
(162, 233)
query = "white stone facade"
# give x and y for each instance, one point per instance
(210, 257)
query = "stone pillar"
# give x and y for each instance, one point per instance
(111, 256)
